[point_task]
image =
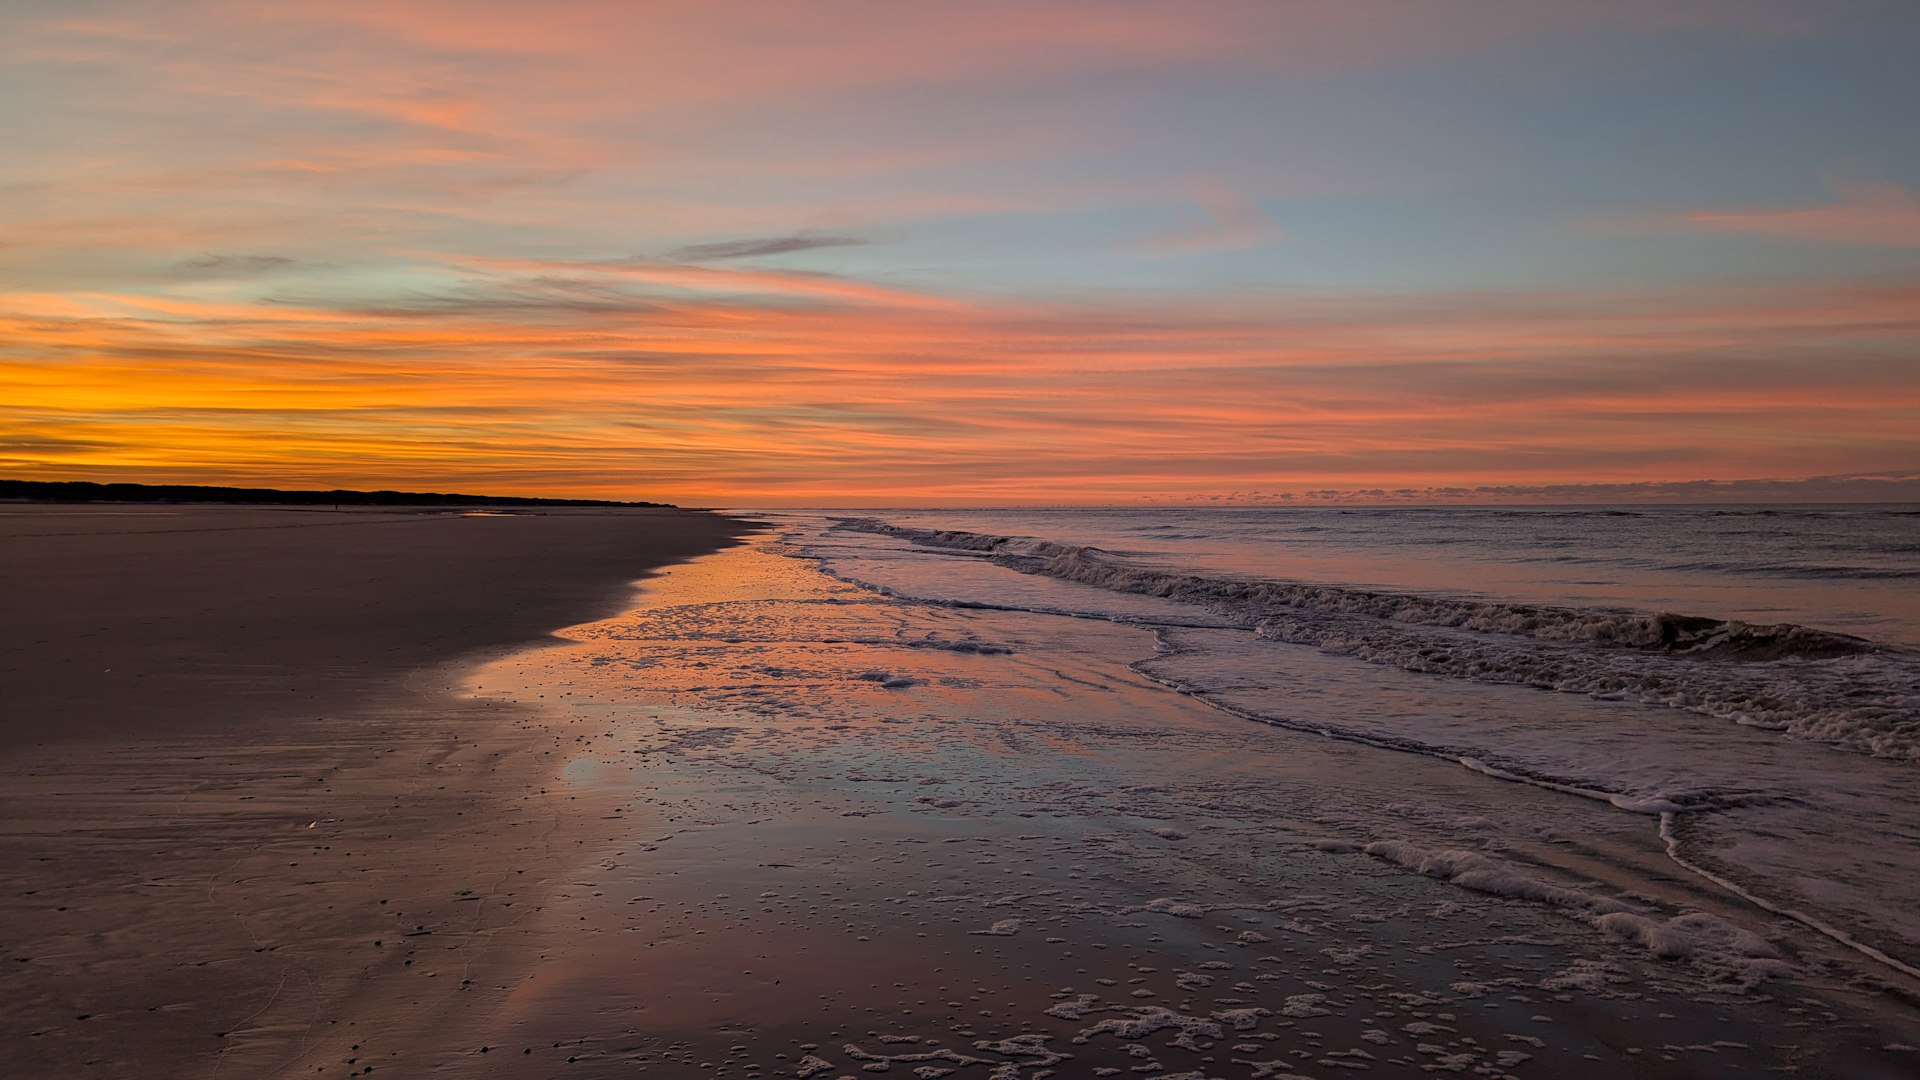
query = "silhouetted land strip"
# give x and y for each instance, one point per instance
(88, 491)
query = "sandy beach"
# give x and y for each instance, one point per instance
(427, 800)
(239, 802)
(1238, 541)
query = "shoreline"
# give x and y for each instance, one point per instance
(808, 860)
(711, 829)
(284, 771)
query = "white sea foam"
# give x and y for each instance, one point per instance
(1718, 949)
(1811, 683)
(1142, 1022)
(1475, 871)
(1076, 1009)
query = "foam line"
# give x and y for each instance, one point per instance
(1811, 923)
(1813, 684)
(1667, 810)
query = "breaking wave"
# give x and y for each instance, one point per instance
(1810, 683)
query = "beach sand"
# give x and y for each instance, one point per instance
(757, 822)
(240, 808)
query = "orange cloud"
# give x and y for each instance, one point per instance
(724, 393)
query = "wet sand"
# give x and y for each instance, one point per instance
(240, 806)
(846, 836)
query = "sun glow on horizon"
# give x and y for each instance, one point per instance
(951, 255)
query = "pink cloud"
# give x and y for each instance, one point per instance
(1876, 213)
(1228, 222)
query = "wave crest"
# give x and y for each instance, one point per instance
(1811, 683)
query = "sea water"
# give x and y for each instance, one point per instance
(1791, 631)
(1848, 568)
(1373, 788)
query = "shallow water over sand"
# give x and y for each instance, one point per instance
(849, 833)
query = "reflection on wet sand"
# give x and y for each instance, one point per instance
(847, 834)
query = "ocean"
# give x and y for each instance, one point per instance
(1465, 788)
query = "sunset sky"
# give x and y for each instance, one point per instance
(917, 252)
